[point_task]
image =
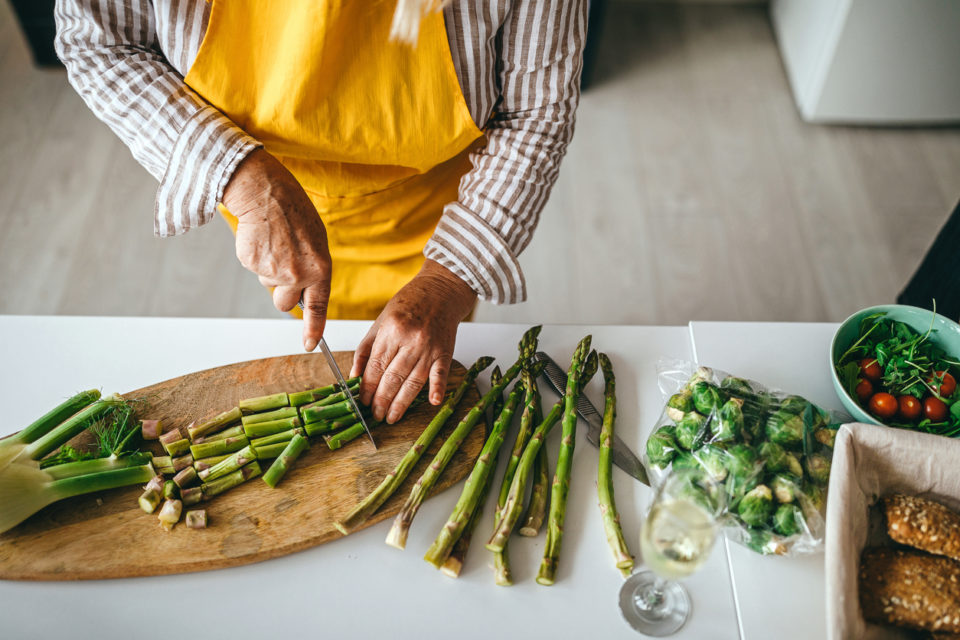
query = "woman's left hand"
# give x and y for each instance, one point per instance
(412, 342)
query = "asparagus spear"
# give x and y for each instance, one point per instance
(215, 423)
(561, 477)
(458, 555)
(229, 464)
(283, 436)
(397, 536)
(269, 416)
(314, 413)
(270, 451)
(230, 432)
(300, 398)
(339, 396)
(231, 480)
(354, 431)
(263, 429)
(360, 513)
(469, 500)
(297, 445)
(218, 447)
(608, 507)
(264, 403)
(539, 496)
(513, 506)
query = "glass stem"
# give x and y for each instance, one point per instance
(653, 598)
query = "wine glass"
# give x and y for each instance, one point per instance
(675, 540)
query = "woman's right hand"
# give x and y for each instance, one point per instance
(281, 239)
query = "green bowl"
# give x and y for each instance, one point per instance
(947, 336)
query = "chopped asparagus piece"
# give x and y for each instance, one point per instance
(264, 403)
(150, 500)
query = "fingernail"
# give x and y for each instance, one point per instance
(378, 413)
(309, 344)
(435, 398)
(393, 417)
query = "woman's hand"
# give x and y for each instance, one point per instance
(281, 239)
(412, 341)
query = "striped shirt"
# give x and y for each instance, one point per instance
(518, 63)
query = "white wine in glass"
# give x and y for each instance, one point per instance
(675, 540)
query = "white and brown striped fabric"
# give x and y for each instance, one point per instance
(518, 63)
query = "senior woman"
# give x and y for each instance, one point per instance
(366, 176)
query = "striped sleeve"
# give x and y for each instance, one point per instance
(539, 61)
(114, 61)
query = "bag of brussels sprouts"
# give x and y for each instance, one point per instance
(770, 451)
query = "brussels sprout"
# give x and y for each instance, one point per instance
(702, 374)
(691, 431)
(793, 465)
(680, 404)
(742, 462)
(774, 457)
(684, 460)
(713, 460)
(662, 446)
(730, 425)
(736, 386)
(826, 436)
(756, 506)
(787, 519)
(818, 468)
(786, 429)
(813, 496)
(784, 488)
(793, 404)
(706, 397)
(765, 541)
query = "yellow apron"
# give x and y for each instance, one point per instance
(376, 132)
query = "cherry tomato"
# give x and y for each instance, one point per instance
(948, 384)
(934, 409)
(870, 369)
(883, 405)
(910, 408)
(864, 390)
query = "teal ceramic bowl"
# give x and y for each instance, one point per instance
(947, 337)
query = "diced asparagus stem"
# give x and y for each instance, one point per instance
(170, 490)
(163, 464)
(352, 432)
(270, 451)
(269, 416)
(185, 477)
(206, 463)
(264, 403)
(230, 432)
(513, 506)
(170, 513)
(182, 462)
(170, 436)
(360, 513)
(196, 519)
(60, 434)
(561, 477)
(608, 506)
(218, 447)
(263, 429)
(231, 480)
(297, 445)
(338, 396)
(328, 412)
(214, 424)
(191, 496)
(151, 429)
(277, 438)
(45, 423)
(150, 500)
(469, 500)
(156, 483)
(229, 464)
(397, 536)
(177, 448)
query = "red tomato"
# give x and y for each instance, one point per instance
(883, 405)
(864, 390)
(870, 369)
(948, 383)
(910, 408)
(934, 409)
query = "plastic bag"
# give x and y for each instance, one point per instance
(768, 450)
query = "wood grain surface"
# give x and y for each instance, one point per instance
(106, 535)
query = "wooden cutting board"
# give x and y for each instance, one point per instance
(106, 535)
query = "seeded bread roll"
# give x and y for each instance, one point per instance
(910, 589)
(923, 524)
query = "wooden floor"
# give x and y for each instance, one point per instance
(692, 190)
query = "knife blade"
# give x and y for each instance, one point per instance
(346, 389)
(622, 456)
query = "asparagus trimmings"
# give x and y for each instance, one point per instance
(191, 496)
(561, 477)
(397, 536)
(196, 519)
(608, 507)
(169, 514)
(469, 500)
(150, 500)
(269, 416)
(360, 513)
(513, 506)
(163, 464)
(185, 477)
(229, 464)
(151, 429)
(181, 462)
(177, 448)
(215, 423)
(170, 490)
(297, 445)
(264, 403)
(218, 447)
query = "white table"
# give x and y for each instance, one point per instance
(357, 586)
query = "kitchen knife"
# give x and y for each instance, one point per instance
(622, 456)
(332, 363)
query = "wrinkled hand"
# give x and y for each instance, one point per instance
(412, 341)
(281, 239)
